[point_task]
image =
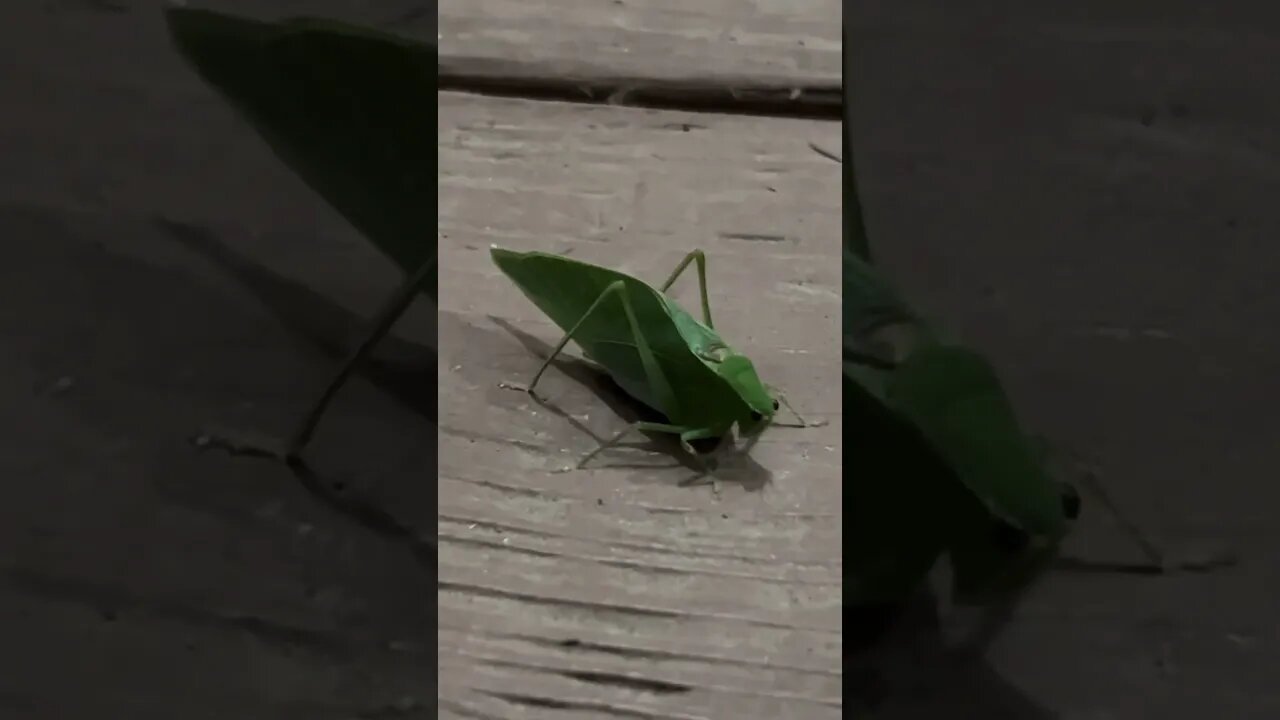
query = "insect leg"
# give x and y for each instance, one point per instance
(563, 341)
(641, 426)
(1088, 477)
(1199, 559)
(701, 259)
(688, 436)
(705, 465)
(1139, 538)
(657, 379)
(387, 315)
(653, 372)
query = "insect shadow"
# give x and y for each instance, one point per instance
(745, 471)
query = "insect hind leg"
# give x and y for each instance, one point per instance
(615, 288)
(700, 260)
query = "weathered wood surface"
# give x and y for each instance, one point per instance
(614, 589)
(658, 40)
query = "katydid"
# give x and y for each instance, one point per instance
(653, 348)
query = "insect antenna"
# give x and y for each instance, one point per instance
(780, 399)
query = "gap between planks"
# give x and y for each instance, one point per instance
(811, 98)
(730, 56)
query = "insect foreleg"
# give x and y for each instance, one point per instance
(1157, 561)
(1153, 553)
(686, 436)
(700, 259)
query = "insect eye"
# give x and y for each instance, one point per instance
(1070, 502)
(1009, 537)
(756, 417)
(776, 406)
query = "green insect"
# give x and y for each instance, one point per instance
(654, 349)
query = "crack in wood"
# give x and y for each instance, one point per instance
(812, 99)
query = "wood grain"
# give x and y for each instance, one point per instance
(797, 40)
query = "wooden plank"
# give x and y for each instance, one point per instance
(613, 588)
(792, 40)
